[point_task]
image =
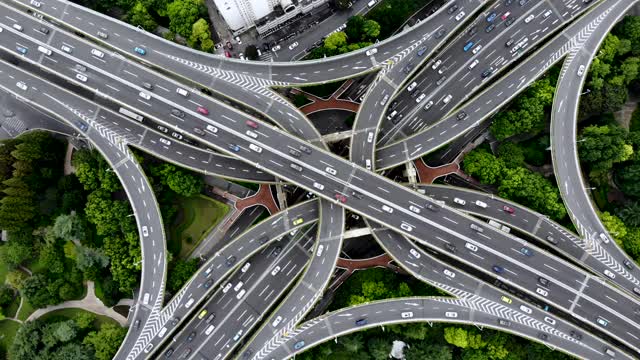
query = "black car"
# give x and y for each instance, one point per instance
(461, 115)
(191, 336)
(628, 264)
(408, 68)
(452, 8)
(393, 104)
(487, 72)
(432, 207)
(357, 195)
(543, 281)
(263, 239)
(489, 28)
(168, 353)
(265, 47)
(43, 30)
(543, 336)
(247, 354)
(472, 31)
(575, 335)
(208, 283)
(509, 21)
(450, 247)
(397, 119)
(552, 240)
(509, 42)
(441, 33)
(295, 152)
(231, 260)
(361, 322)
(175, 321)
(276, 251)
(136, 324)
(210, 317)
(82, 125)
(305, 149)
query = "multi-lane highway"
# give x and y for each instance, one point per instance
(230, 137)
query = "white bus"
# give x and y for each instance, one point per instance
(130, 114)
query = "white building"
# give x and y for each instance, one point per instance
(242, 15)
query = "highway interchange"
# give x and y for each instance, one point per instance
(295, 153)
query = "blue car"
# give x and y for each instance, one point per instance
(497, 269)
(21, 50)
(234, 147)
(140, 50)
(468, 46)
(492, 17)
(82, 125)
(298, 345)
(422, 50)
(361, 322)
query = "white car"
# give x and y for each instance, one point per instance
(367, 164)
(529, 18)
(66, 49)
(245, 267)
(415, 209)
(22, 86)
(330, 170)
(241, 294)
(318, 186)
(420, 98)
(277, 321)
(525, 309)
(581, 70)
(476, 49)
(275, 270)
(406, 227)
(238, 286)
(81, 77)
(447, 99)
(226, 288)
(97, 53)
(428, 105)
(406, 314)
(471, 247)
(370, 137)
(415, 253)
(276, 48)
(542, 292)
(252, 134)
(451, 314)
(212, 128)
(609, 274)
(320, 249)
(372, 51)
(459, 201)
(35, 3)
(165, 141)
(145, 231)
(412, 86)
(144, 95)
(293, 46)
(208, 331)
(387, 209)
(460, 16)
(473, 64)
(449, 273)
(549, 320)
(436, 64)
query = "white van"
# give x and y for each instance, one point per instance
(209, 330)
(189, 303)
(44, 50)
(255, 148)
(162, 332)
(145, 299)
(97, 53)
(182, 92)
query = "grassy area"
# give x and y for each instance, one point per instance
(4, 269)
(199, 214)
(8, 329)
(11, 309)
(25, 311)
(323, 90)
(71, 313)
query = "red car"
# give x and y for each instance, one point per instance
(508, 209)
(227, 54)
(341, 198)
(202, 110)
(252, 124)
(229, 45)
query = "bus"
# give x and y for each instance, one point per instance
(130, 114)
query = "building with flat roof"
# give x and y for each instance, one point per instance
(264, 15)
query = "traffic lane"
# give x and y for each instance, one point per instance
(225, 296)
(309, 289)
(268, 292)
(493, 54)
(611, 297)
(616, 326)
(243, 314)
(422, 143)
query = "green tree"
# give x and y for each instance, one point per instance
(336, 42)
(87, 257)
(353, 343)
(7, 294)
(614, 225)
(630, 29)
(52, 259)
(66, 330)
(370, 30)
(106, 341)
(532, 190)
(73, 351)
(183, 14)
(68, 227)
(36, 289)
(631, 243)
(16, 279)
(483, 165)
(511, 154)
(139, 16)
(463, 338)
(425, 350)
(84, 320)
(379, 348)
(125, 257)
(602, 146)
(200, 37)
(630, 214)
(342, 4)
(26, 343)
(180, 272)
(106, 214)
(354, 29)
(14, 253)
(628, 177)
